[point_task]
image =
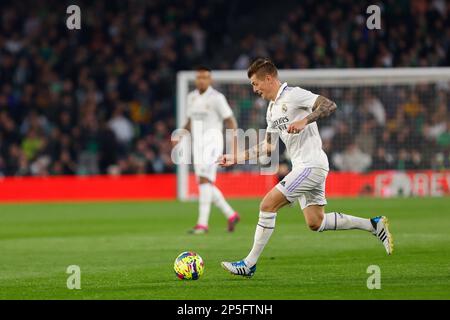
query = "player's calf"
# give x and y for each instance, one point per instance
(341, 221)
(314, 216)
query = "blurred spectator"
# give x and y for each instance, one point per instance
(347, 110)
(436, 126)
(365, 139)
(404, 160)
(352, 159)
(381, 160)
(373, 106)
(122, 127)
(417, 161)
(443, 140)
(32, 144)
(342, 137)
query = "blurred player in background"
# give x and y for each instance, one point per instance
(291, 115)
(207, 110)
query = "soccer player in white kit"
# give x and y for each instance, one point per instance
(207, 110)
(292, 114)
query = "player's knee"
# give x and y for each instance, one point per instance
(315, 224)
(266, 206)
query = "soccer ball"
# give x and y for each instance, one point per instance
(188, 266)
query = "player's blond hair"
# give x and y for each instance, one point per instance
(262, 67)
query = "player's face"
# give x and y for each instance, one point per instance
(260, 85)
(203, 80)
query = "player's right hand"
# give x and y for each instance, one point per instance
(226, 160)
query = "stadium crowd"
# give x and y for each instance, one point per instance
(102, 99)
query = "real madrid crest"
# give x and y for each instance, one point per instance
(284, 108)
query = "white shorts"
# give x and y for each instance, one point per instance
(207, 171)
(305, 184)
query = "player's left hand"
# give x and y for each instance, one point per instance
(297, 126)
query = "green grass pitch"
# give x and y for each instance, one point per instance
(126, 251)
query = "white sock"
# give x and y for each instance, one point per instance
(221, 203)
(340, 221)
(205, 198)
(264, 229)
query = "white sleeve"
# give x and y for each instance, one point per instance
(222, 107)
(304, 98)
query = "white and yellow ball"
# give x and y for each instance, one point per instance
(188, 266)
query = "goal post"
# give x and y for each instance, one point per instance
(376, 94)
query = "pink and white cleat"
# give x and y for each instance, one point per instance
(199, 229)
(232, 221)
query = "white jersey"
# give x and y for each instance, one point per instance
(304, 148)
(207, 112)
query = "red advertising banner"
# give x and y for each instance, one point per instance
(411, 183)
(89, 188)
(239, 184)
(233, 185)
(388, 183)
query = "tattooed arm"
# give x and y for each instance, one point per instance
(322, 108)
(264, 148)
